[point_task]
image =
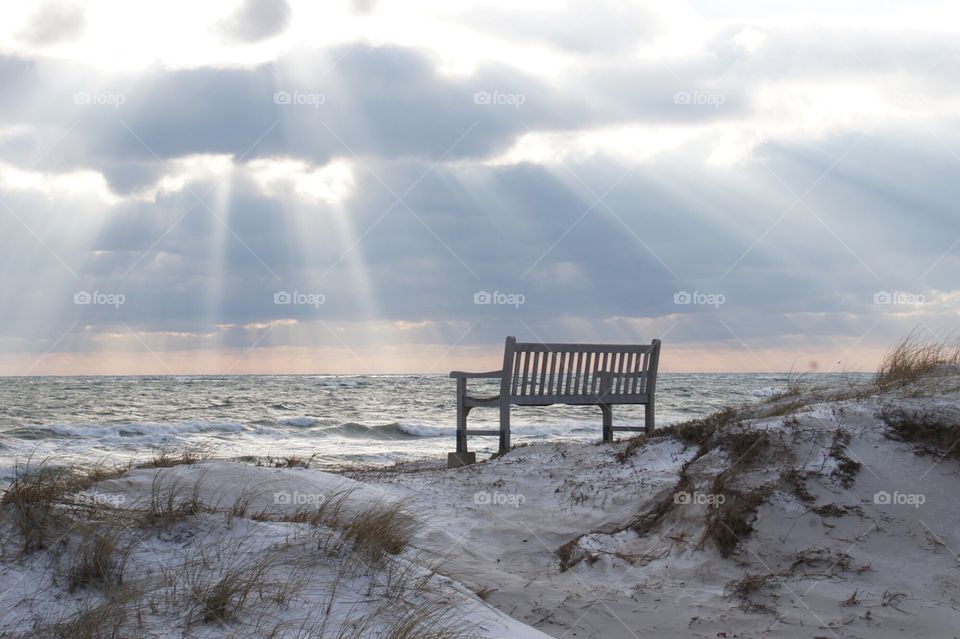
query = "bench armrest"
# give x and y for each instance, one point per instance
(487, 375)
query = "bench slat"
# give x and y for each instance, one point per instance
(553, 368)
(582, 348)
(526, 367)
(576, 400)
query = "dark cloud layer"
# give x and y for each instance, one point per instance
(797, 239)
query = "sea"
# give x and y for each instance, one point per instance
(334, 420)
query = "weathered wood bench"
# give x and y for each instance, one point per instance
(576, 374)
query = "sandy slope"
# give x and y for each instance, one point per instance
(566, 540)
(895, 565)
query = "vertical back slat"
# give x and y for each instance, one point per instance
(641, 367)
(577, 375)
(533, 372)
(553, 372)
(526, 368)
(621, 382)
(543, 372)
(633, 372)
(516, 372)
(625, 373)
(587, 359)
(620, 370)
(594, 368)
(598, 379)
(561, 372)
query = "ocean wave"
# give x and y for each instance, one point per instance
(335, 382)
(425, 430)
(767, 391)
(299, 422)
(102, 431)
(402, 430)
(395, 430)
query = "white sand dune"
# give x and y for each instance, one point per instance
(829, 526)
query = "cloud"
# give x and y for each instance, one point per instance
(55, 22)
(257, 20)
(606, 27)
(786, 174)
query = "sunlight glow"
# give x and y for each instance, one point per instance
(277, 177)
(67, 185)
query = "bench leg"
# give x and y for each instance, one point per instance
(462, 412)
(607, 411)
(648, 415)
(504, 428)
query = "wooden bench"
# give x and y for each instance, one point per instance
(575, 374)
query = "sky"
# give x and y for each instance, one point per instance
(368, 186)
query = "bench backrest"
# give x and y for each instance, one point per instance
(579, 373)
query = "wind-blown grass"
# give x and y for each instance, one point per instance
(911, 358)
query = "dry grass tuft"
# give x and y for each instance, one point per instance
(744, 446)
(633, 444)
(829, 510)
(700, 432)
(383, 529)
(100, 471)
(732, 521)
(912, 358)
(930, 430)
(104, 621)
(430, 620)
(294, 461)
(98, 562)
(164, 459)
(224, 598)
(847, 468)
(794, 387)
(796, 481)
(33, 498)
(568, 555)
(169, 504)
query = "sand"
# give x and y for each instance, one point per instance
(830, 526)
